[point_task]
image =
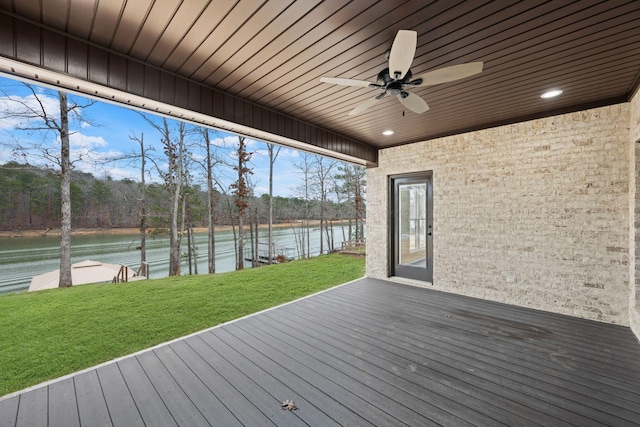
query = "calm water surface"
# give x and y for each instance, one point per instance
(21, 258)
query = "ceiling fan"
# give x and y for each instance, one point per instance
(398, 77)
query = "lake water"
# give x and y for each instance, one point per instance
(21, 258)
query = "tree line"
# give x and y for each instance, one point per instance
(194, 181)
(31, 201)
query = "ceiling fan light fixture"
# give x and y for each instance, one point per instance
(551, 93)
(388, 132)
(394, 79)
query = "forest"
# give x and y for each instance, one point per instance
(31, 201)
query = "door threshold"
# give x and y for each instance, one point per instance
(411, 282)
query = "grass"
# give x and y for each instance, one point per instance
(48, 334)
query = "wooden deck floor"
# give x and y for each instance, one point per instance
(367, 353)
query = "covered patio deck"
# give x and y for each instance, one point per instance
(369, 352)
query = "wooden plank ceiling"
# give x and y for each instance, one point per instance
(274, 52)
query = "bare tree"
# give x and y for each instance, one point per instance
(65, 280)
(36, 116)
(273, 155)
(143, 198)
(304, 168)
(189, 196)
(241, 192)
(351, 183)
(174, 151)
(211, 161)
(322, 170)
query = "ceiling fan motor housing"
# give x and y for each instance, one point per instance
(390, 85)
(384, 76)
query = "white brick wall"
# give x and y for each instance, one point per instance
(534, 214)
(634, 214)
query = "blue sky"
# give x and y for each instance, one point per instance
(106, 134)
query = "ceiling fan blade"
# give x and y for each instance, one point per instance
(449, 74)
(345, 82)
(414, 103)
(402, 52)
(365, 105)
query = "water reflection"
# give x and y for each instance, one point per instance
(21, 258)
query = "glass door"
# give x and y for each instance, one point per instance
(412, 229)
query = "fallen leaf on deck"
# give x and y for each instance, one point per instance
(289, 404)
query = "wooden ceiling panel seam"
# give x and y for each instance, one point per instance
(32, 10)
(560, 75)
(452, 51)
(572, 97)
(564, 70)
(237, 17)
(512, 39)
(80, 17)
(291, 21)
(155, 24)
(8, 5)
(202, 27)
(55, 14)
(105, 23)
(303, 54)
(547, 41)
(290, 53)
(228, 51)
(129, 25)
(591, 89)
(186, 16)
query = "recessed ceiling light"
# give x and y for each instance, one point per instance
(551, 93)
(387, 132)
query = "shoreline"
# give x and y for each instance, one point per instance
(115, 231)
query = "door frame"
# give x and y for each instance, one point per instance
(425, 273)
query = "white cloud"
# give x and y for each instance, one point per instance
(6, 156)
(289, 153)
(228, 141)
(79, 140)
(24, 111)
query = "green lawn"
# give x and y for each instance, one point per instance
(48, 334)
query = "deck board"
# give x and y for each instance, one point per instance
(371, 352)
(92, 407)
(197, 357)
(120, 404)
(152, 409)
(301, 389)
(9, 411)
(407, 402)
(177, 402)
(262, 398)
(33, 408)
(62, 408)
(319, 375)
(210, 406)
